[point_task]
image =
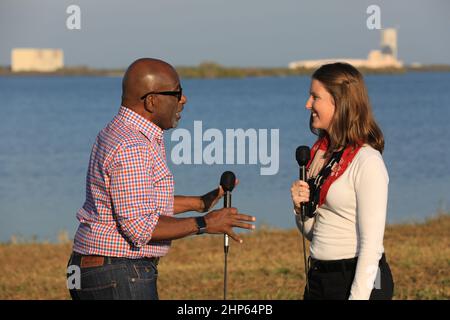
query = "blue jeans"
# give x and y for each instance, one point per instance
(116, 278)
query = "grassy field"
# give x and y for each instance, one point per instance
(268, 265)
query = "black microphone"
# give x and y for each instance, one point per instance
(227, 181)
(303, 154)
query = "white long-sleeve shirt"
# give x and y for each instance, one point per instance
(352, 220)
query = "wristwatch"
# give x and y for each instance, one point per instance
(201, 224)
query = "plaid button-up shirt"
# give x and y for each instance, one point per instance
(128, 186)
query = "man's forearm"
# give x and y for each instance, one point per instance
(187, 203)
(170, 228)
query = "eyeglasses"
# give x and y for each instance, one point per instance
(177, 94)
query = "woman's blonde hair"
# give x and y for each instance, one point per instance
(353, 123)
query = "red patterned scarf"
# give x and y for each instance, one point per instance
(347, 157)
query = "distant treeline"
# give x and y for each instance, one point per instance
(212, 70)
(66, 71)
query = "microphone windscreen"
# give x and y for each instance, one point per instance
(227, 181)
(302, 154)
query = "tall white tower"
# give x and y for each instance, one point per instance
(389, 41)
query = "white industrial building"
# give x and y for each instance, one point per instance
(385, 57)
(37, 60)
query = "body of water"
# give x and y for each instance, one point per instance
(48, 126)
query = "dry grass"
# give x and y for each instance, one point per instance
(268, 265)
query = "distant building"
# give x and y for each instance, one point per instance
(386, 57)
(389, 42)
(40, 60)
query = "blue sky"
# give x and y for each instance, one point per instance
(231, 32)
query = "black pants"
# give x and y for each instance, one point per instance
(332, 280)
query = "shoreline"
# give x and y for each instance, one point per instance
(62, 236)
(216, 71)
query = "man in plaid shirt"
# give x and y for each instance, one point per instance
(126, 222)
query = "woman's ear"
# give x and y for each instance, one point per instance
(332, 100)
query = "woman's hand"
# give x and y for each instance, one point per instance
(299, 194)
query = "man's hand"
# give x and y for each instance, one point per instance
(224, 220)
(211, 198)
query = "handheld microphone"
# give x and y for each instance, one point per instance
(303, 154)
(227, 181)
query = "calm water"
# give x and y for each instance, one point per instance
(48, 125)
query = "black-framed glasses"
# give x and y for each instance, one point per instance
(177, 94)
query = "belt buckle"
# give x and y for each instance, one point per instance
(92, 261)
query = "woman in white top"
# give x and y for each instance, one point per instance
(346, 193)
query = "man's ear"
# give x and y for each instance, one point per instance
(150, 103)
